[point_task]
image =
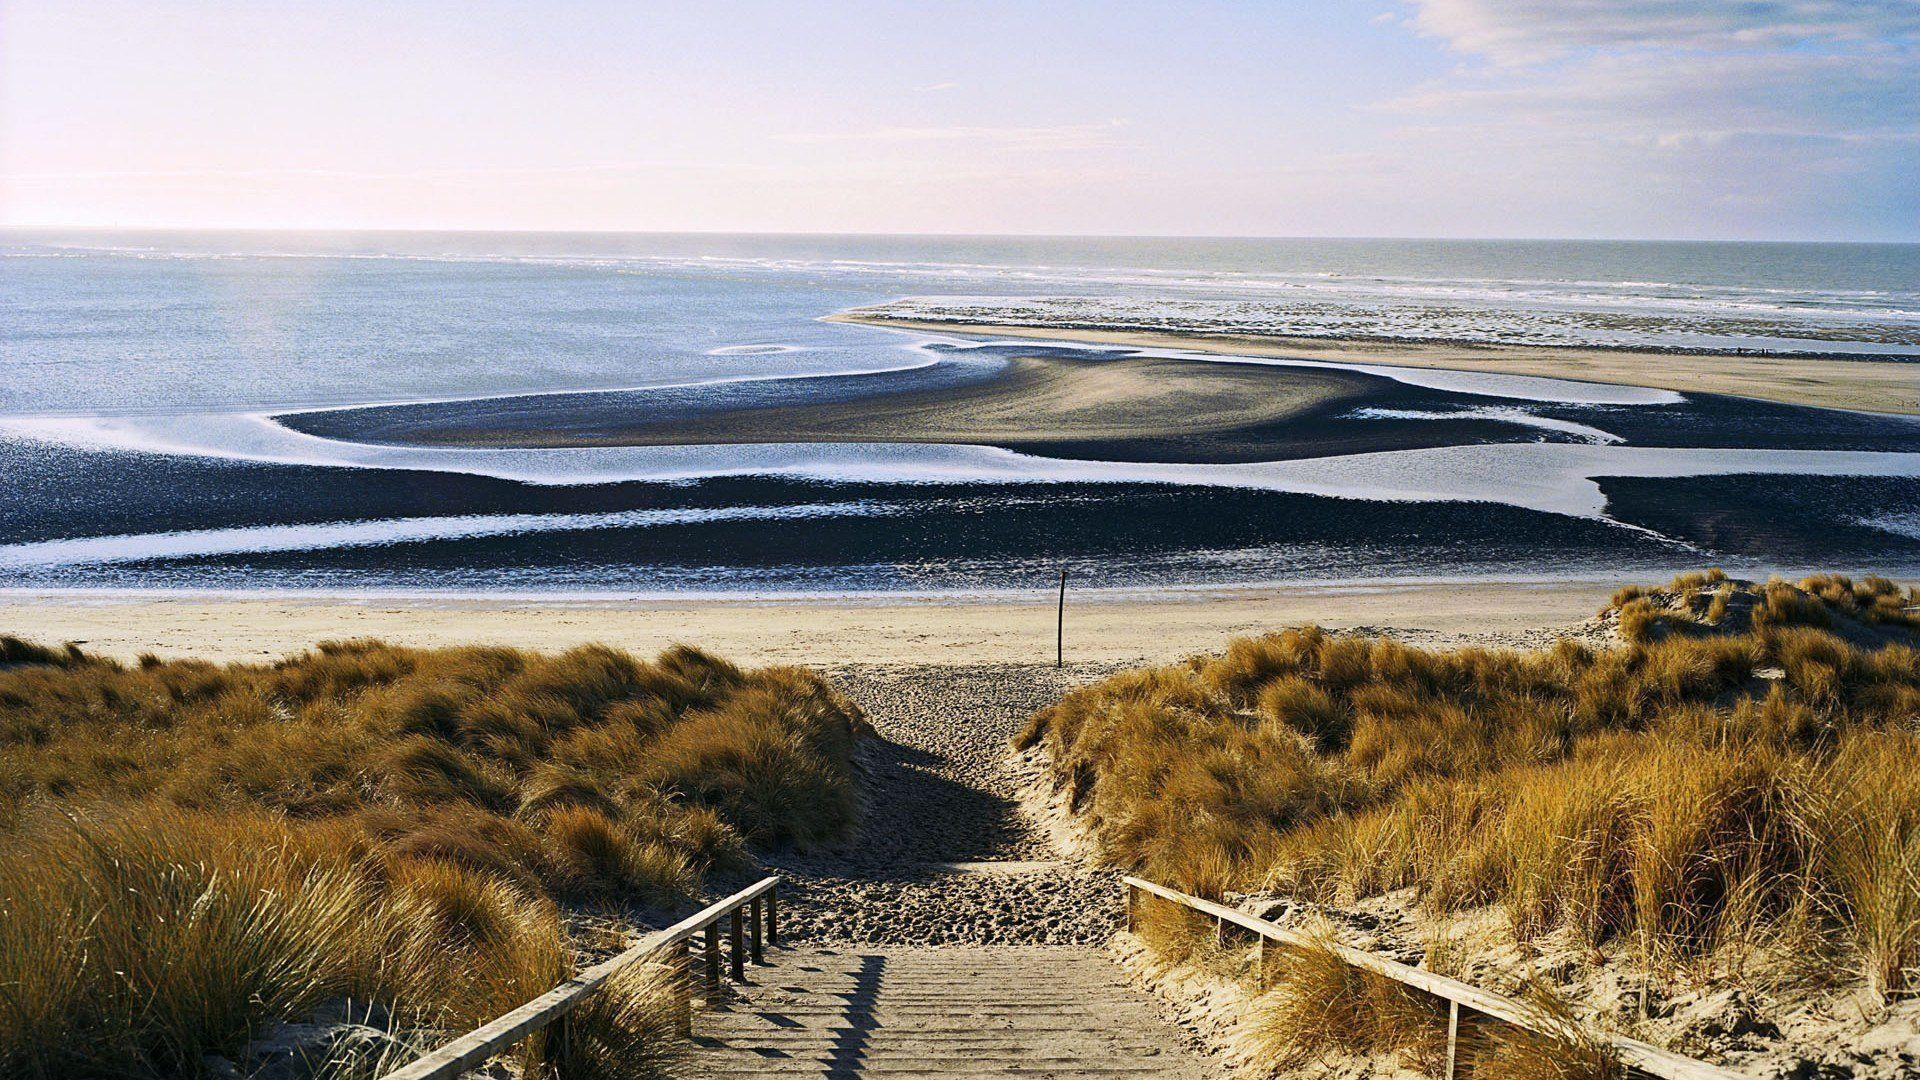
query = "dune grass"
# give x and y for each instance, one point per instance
(1319, 1004)
(1737, 775)
(195, 851)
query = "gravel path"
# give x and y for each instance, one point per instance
(942, 790)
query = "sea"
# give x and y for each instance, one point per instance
(162, 398)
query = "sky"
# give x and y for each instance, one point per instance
(1711, 119)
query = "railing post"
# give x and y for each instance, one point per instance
(758, 956)
(546, 1026)
(559, 1048)
(1470, 1009)
(736, 954)
(683, 986)
(1263, 972)
(773, 916)
(1060, 625)
(1453, 1039)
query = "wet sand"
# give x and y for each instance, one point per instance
(1103, 627)
(1094, 406)
(1864, 385)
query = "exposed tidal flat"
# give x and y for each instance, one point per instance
(1074, 403)
(1124, 404)
(678, 417)
(182, 522)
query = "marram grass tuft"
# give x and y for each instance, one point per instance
(195, 851)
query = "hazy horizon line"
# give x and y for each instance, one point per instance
(344, 230)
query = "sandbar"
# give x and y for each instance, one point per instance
(1885, 386)
(1115, 407)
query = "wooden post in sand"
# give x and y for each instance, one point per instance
(1060, 625)
(736, 946)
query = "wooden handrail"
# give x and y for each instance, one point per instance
(471, 1050)
(1643, 1056)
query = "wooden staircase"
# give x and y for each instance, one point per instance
(951, 1013)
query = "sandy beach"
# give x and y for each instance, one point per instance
(1863, 385)
(1100, 626)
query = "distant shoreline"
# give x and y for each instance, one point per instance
(1106, 626)
(867, 316)
(1821, 380)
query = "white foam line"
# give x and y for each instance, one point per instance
(1553, 303)
(694, 384)
(767, 349)
(1552, 477)
(1907, 525)
(257, 539)
(1583, 432)
(1330, 309)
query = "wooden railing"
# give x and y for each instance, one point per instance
(1464, 1000)
(752, 915)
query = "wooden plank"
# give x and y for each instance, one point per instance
(1433, 982)
(471, 1050)
(1639, 1055)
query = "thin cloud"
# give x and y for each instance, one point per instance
(481, 174)
(1522, 31)
(1092, 136)
(1727, 108)
(1675, 75)
(936, 88)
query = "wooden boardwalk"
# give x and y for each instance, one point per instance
(898, 957)
(1037, 1011)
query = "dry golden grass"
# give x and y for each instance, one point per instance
(194, 851)
(1737, 777)
(1555, 1045)
(623, 1032)
(136, 943)
(1319, 1005)
(1709, 601)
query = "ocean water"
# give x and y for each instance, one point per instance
(149, 385)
